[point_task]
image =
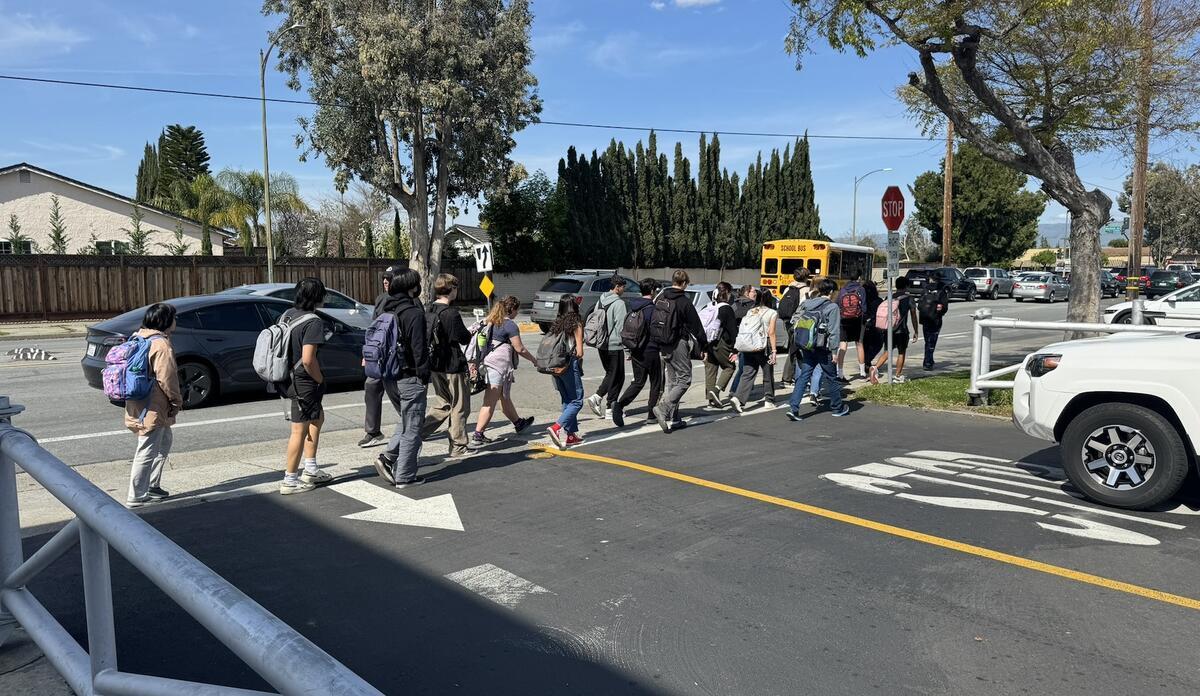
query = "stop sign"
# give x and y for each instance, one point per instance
(893, 208)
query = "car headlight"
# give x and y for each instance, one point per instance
(1042, 363)
(1111, 310)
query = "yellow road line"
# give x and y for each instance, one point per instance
(893, 530)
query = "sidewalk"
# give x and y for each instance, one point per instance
(42, 330)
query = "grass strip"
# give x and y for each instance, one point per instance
(947, 392)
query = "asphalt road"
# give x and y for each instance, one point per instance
(78, 424)
(749, 556)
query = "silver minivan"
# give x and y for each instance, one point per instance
(990, 282)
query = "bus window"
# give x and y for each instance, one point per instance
(814, 266)
(770, 267)
(855, 262)
(789, 266)
(835, 265)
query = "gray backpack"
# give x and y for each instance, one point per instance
(555, 353)
(273, 348)
(596, 330)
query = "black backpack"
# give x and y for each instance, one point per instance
(789, 303)
(634, 333)
(433, 332)
(927, 305)
(664, 321)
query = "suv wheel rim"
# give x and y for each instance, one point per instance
(194, 383)
(1119, 457)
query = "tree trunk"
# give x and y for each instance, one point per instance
(418, 216)
(1087, 215)
(438, 234)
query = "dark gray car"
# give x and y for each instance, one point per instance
(214, 344)
(586, 286)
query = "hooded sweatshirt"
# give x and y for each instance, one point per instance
(616, 309)
(832, 316)
(688, 320)
(410, 320)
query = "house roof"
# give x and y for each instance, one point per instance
(476, 235)
(25, 166)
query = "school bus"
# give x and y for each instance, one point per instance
(781, 258)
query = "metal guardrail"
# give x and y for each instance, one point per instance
(285, 659)
(983, 377)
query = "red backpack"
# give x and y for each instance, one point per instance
(850, 303)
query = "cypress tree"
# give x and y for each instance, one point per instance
(341, 248)
(147, 175)
(368, 240)
(808, 216)
(704, 207)
(683, 212)
(661, 199)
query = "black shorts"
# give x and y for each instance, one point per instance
(851, 330)
(306, 396)
(899, 341)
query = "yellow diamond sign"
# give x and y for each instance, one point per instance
(486, 286)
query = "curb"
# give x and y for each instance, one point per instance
(40, 336)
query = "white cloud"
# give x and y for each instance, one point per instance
(696, 3)
(24, 36)
(630, 53)
(81, 153)
(658, 5)
(557, 36)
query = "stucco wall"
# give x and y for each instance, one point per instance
(85, 212)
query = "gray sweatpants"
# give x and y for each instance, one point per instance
(148, 462)
(408, 397)
(679, 377)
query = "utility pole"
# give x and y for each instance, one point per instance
(1141, 150)
(948, 194)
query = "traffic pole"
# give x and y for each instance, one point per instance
(889, 327)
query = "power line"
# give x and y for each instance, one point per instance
(565, 124)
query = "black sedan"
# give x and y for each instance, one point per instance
(1163, 282)
(953, 280)
(214, 344)
(1109, 285)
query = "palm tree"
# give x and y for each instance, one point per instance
(245, 190)
(211, 206)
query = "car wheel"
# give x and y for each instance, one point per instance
(197, 384)
(971, 295)
(1011, 292)
(1124, 318)
(1020, 299)
(1124, 455)
(1051, 298)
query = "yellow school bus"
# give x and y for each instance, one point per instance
(781, 258)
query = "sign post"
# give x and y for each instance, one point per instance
(893, 216)
(483, 263)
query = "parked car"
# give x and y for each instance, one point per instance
(952, 279)
(1048, 287)
(1189, 268)
(214, 344)
(1163, 282)
(990, 282)
(1109, 285)
(1125, 411)
(1122, 274)
(585, 285)
(337, 305)
(1179, 308)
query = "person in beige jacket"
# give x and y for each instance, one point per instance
(151, 420)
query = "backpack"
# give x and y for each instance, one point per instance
(927, 305)
(634, 332)
(711, 320)
(885, 311)
(127, 376)
(384, 354)
(752, 335)
(596, 329)
(477, 349)
(789, 303)
(664, 321)
(851, 302)
(272, 351)
(554, 354)
(433, 332)
(811, 331)
(742, 307)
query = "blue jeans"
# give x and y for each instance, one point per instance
(570, 388)
(821, 362)
(737, 375)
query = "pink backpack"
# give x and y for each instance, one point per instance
(881, 314)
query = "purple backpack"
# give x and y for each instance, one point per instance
(127, 376)
(383, 351)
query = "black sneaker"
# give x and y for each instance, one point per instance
(678, 425)
(415, 481)
(372, 440)
(157, 493)
(618, 416)
(523, 423)
(842, 379)
(794, 415)
(479, 440)
(660, 415)
(383, 467)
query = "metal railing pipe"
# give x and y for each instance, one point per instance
(97, 600)
(1081, 326)
(280, 655)
(60, 648)
(112, 683)
(63, 540)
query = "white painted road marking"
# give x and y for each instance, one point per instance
(389, 507)
(185, 424)
(497, 584)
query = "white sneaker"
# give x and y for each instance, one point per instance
(596, 403)
(737, 404)
(316, 478)
(299, 486)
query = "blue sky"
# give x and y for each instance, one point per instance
(692, 64)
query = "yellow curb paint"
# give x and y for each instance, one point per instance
(529, 328)
(971, 549)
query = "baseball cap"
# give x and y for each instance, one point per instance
(391, 271)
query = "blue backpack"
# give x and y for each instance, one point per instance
(811, 331)
(127, 376)
(384, 353)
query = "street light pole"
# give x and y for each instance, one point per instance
(854, 213)
(263, 55)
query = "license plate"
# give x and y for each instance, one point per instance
(93, 348)
(549, 305)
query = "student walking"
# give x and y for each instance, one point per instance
(448, 367)
(852, 301)
(151, 418)
(568, 327)
(407, 391)
(504, 345)
(903, 311)
(742, 305)
(720, 330)
(932, 305)
(604, 334)
(795, 293)
(675, 327)
(820, 319)
(306, 389)
(373, 388)
(643, 353)
(871, 345)
(756, 346)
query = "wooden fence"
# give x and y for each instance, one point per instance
(46, 286)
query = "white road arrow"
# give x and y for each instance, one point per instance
(389, 507)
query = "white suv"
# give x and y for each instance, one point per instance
(1125, 410)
